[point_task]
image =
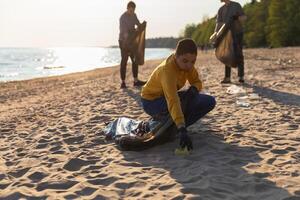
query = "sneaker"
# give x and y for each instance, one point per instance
(123, 85)
(241, 80)
(225, 81)
(139, 83)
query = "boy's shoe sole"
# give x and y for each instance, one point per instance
(139, 83)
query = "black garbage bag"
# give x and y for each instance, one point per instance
(130, 134)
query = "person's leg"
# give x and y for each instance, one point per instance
(135, 67)
(238, 45)
(135, 70)
(197, 107)
(156, 108)
(227, 75)
(123, 64)
(241, 73)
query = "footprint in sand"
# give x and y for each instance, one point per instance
(19, 195)
(103, 181)
(76, 164)
(74, 140)
(23, 134)
(96, 119)
(87, 191)
(296, 156)
(71, 196)
(57, 150)
(293, 127)
(3, 186)
(126, 185)
(43, 143)
(166, 187)
(271, 160)
(63, 128)
(37, 176)
(51, 130)
(279, 151)
(19, 173)
(4, 131)
(62, 185)
(72, 148)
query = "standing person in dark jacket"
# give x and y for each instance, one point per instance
(232, 12)
(128, 23)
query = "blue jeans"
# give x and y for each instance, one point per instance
(194, 108)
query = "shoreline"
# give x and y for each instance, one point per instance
(96, 69)
(128, 65)
(38, 63)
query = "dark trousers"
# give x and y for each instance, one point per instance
(238, 49)
(196, 107)
(125, 53)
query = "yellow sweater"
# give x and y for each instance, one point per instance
(166, 80)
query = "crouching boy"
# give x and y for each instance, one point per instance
(160, 94)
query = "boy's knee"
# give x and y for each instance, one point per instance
(212, 102)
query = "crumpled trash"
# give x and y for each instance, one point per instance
(233, 89)
(243, 98)
(126, 126)
(242, 103)
(254, 96)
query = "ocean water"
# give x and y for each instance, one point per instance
(28, 63)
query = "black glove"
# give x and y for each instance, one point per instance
(185, 140)
(193, 91)
(235, 17)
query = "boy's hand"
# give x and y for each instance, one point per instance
(185, 140)
(193, 90)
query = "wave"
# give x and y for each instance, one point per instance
(53, 67)
(7, 75)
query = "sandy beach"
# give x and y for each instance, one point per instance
(248, 147)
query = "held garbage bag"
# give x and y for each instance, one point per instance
(225, 51)
(223, 42)
(137, 43)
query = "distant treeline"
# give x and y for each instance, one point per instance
(162, 42)
(270, 23)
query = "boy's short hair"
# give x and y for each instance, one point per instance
(131, 4)
(186, 46)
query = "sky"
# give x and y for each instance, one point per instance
(55, 23)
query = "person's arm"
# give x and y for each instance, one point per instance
(123, 29)
(193, 78)
(240, 13)
(218, 21)
(137, 21)
(168, 82)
